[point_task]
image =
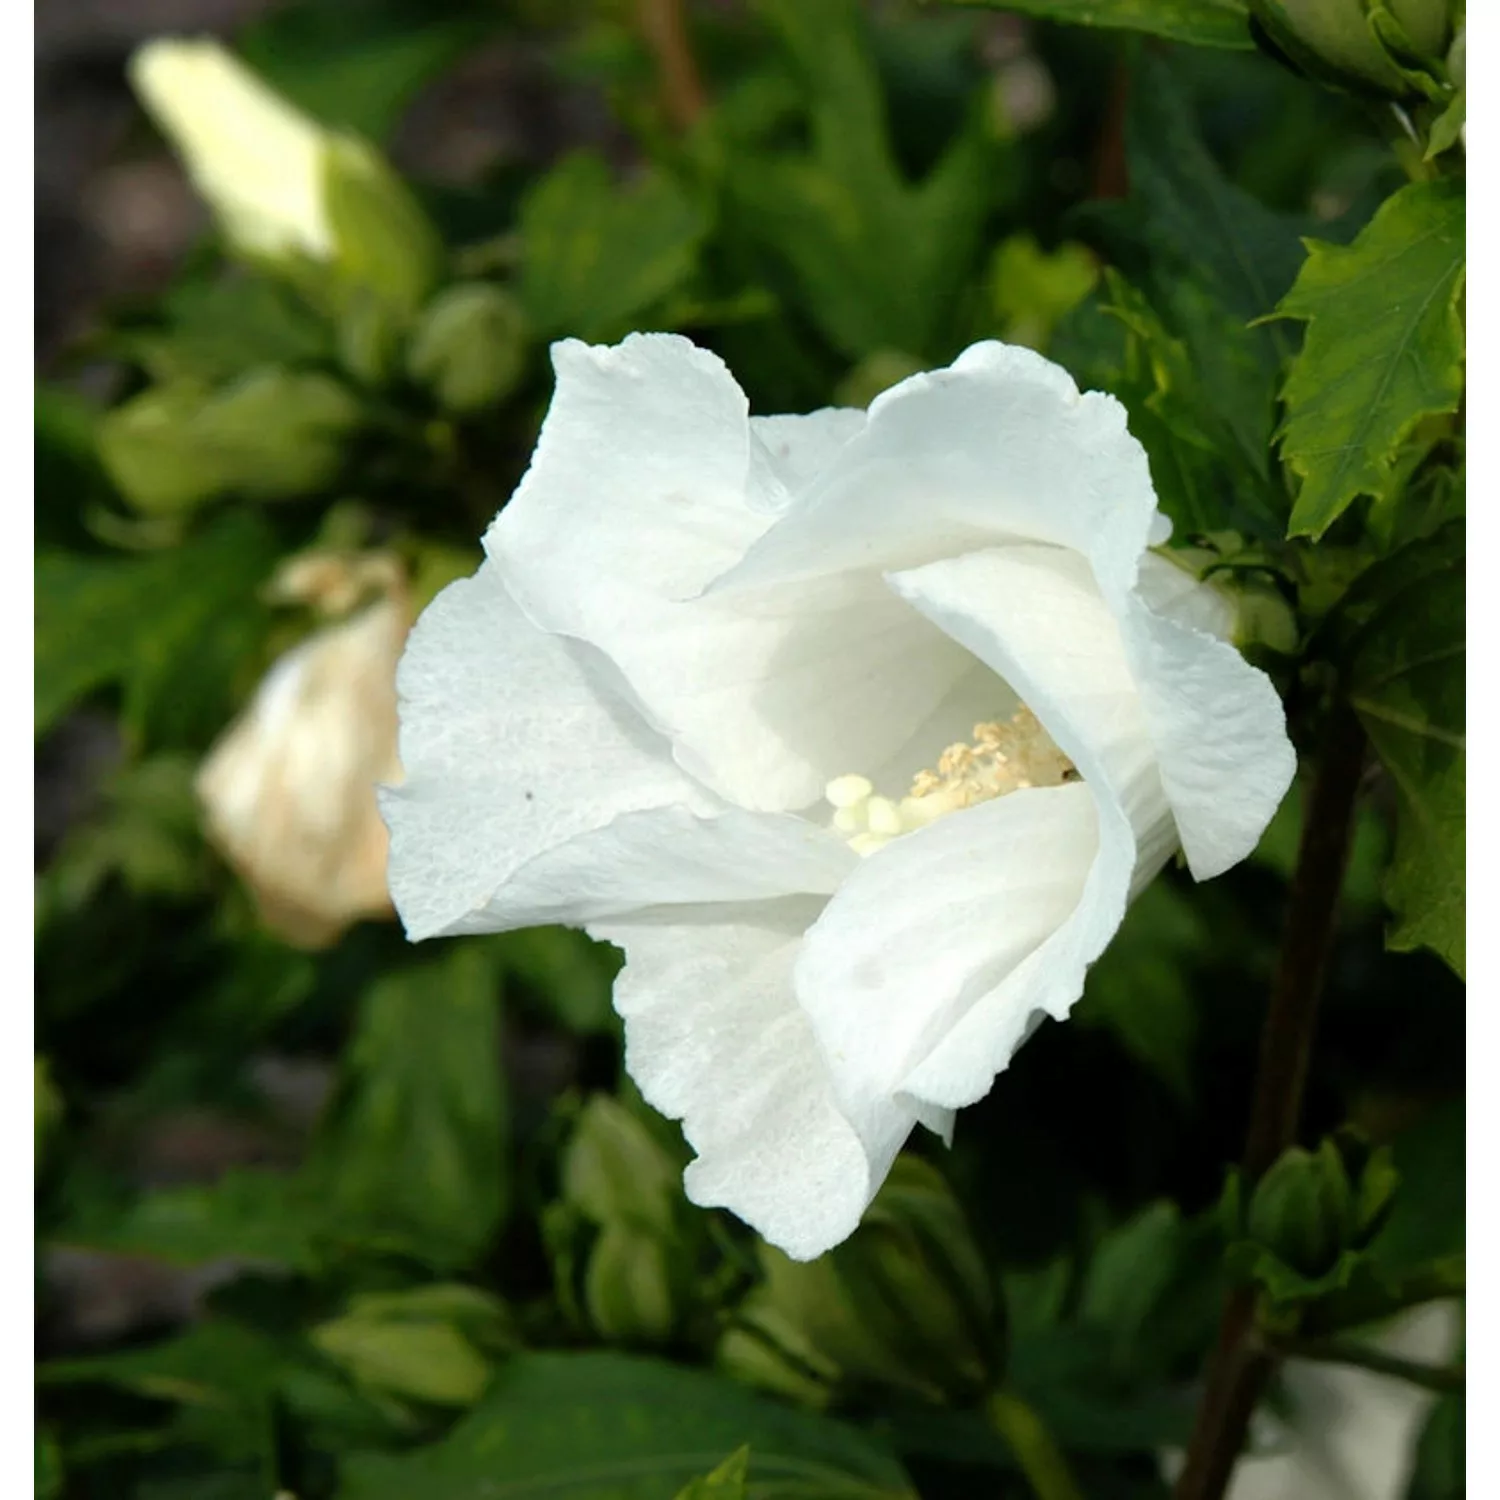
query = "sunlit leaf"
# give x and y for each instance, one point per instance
(1384, 348)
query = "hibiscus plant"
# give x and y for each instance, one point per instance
(756, 760)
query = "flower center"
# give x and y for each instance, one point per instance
(1003, 757)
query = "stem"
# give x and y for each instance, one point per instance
(1111, 172)
(1291, 1020)
(1441, 1378)
(1239, 1367)
(664, 28)
(1039, 1457)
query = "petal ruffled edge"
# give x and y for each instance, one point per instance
(714, 1037)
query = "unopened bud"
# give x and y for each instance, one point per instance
(904, 1304)
(382, 240)
(1344, 37)
(281, 185)
(470, 347)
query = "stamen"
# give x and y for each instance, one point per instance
(1004, 757)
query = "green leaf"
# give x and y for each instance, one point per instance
(612, 1427)
(1407, 685)
(69, 479)
(1384, 348)
(1427, 1220)
(1032, 290)
(215, 330)
(1200, 383)
(48, 1484)
(873, 260)
(1200, 23)
(596, 257)
(1241, 251)
(220, 1374)
(266, 1217)
(1439, 1470)
(414, 1153)
(173, 628)
(147, 833)
(1448, 126)
(727, 1482)
(354, 65)
(1165, 397)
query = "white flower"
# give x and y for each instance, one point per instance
(732, 693)
(258, 160)
(288, 792)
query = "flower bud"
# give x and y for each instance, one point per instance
(288, 793)
(381, 237)
(1300, 1210)
(369, 337)
(613, 1170)
(1312, 1206)
(434, 1344)
(280, 184)
(904, 1304)
(1340, 35)
(622, 1216)
(630, 1291)
(470, 347)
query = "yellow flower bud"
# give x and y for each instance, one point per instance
(256, 159)
(279, 183)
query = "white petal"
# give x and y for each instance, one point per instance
(636, 490)
(509, 750)
(791, 451)
(934, 925)
(714, 1038)
(635, 499)
(1220, 734)
(1036, 617)
(668, 856)
(1175, 593)
(1000, 446)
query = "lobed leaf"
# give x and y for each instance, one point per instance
(1384, 348)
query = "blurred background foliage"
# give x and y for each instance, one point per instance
(323, 1214)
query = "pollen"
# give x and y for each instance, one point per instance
(1003, 757)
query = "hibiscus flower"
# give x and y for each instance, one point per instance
(856, 731)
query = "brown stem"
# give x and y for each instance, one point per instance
(664, 27)
(1239, 1367)
(1111, 172)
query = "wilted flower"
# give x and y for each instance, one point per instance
(288, 793)
(856, 732)
(280, 183)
